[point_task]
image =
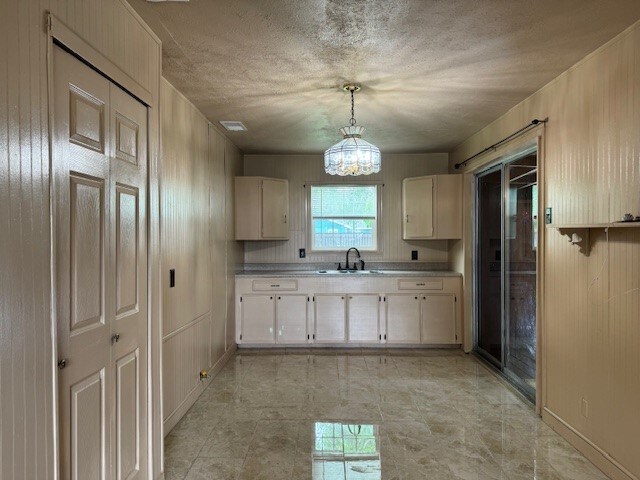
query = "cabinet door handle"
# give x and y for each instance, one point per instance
(407, 218)
(285, 218)
(416, 298)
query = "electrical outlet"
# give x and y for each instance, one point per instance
(585, 408)
(172, 278)
(414, 254)
(302, 252)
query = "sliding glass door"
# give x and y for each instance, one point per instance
(506, 267)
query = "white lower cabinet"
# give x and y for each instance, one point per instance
(364, 318)
(403, 318)
(284, 311)
(258, 318)
(330, 312)
(438, 319)
(291, 318)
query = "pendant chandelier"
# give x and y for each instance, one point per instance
(352, 155)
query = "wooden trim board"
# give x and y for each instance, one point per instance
(172, 420)
(591, 451)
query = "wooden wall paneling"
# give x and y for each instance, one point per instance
(185, 240)
(26, 385)
(591, 174)
(26, 343)
(305, 169)
(624, 346)
(233, 167)
(218, 244)
(200, 202)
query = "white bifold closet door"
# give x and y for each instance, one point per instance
(99, 209)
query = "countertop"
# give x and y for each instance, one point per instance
(335, 273)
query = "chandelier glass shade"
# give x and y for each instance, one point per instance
(352, 155)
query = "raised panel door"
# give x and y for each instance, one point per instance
(403, 318)
(275, 208)
(257, 318)
(438, 319)
(417, 208)
(82, 228)
(330, 318)
(364, 318)
(128, 255)
(291, 318)
(99, 185)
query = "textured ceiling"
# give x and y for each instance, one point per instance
(433, 71)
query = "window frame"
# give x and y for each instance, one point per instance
(309, 218)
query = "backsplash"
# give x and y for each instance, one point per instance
(423, 266)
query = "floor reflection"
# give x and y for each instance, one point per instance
(346, 451)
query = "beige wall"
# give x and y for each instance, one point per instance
(305, 169)
(591, 326)
(26, 345)
(198, 165)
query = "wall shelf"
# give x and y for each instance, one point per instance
(580, 226)
(580, 233)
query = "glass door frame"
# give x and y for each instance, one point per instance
(476, 269)
(500, 165)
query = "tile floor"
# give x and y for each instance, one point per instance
(362, 415)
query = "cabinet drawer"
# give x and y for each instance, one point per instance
(275, 285)
(420, 284)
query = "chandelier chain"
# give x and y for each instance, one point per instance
(353, 107)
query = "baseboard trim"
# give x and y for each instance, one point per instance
(590, 450)
(174, 417)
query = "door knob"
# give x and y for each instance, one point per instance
(62, 363)
(115, 338)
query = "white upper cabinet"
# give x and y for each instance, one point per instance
(432, 207)
(417, 207)
(261, 208)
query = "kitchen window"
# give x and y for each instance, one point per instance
(344, 216)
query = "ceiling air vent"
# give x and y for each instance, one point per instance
(233, 126)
